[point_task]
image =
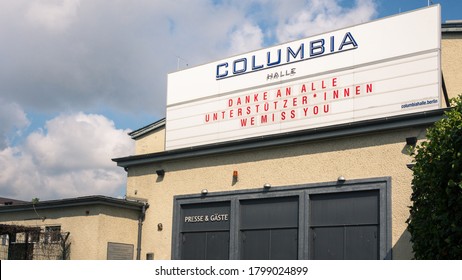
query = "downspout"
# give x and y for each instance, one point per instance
(140, 229)
(445, 92)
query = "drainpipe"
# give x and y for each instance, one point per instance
(140, 229)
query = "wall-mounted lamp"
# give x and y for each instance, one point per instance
(204, 191)
(341, 179)
(267, 185)
(160, 172)
(411, 141)
(235, 175)
(160, 227)
(410, 165)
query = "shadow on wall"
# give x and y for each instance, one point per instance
(402, 250)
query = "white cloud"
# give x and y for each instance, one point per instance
(70, 157)
(19, 177)
(323, 15)
(54, 15)
(13, 120)
(247, 37)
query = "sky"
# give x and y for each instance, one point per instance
(77, 75)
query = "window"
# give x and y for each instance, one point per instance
(4, 239)
(12, 237)
(34, 236)
(52, 234)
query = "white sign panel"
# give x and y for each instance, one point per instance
(383, 68)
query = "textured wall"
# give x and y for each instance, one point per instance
(152, 142)
(89, 233)
(366, 156)
(451, 62)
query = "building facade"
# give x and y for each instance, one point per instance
(340, 191)
(86, 228)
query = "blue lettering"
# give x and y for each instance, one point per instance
(332, 47)
(225, 73)
(348, 40)
(301, 51)
(244, 66)
(255, 67)
(317, 47)
(278, 61)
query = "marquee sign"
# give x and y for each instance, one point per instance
(382, 68)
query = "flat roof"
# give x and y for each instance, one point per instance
(73, 202)
(452, 26)
(146, 129)
(9, 201)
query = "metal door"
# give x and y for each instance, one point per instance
(269, 228)
(205, 231)
(344, 225)
(205, 246)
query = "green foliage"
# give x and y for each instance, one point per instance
(435, 221)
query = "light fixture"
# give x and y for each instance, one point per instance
(341, 179)
(267, 185)
(411, 141)
(204, 191)
(410, 165)
(160, 172)
(235, 175)
(160, 227)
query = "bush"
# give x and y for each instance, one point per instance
(435, 221)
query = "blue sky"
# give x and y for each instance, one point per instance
(76, 76)
(450, 9)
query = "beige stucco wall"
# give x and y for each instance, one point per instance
(151, 142)
(89, 234)
(366, 156)
(451, 62)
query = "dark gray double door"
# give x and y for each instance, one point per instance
(203, 237)
(340, 226)
(344, 226)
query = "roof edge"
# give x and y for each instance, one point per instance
(146, 129)
(342, 130)
(73, 202)
(451, 26)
